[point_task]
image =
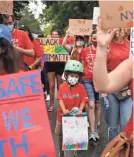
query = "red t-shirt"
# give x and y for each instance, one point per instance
(87, 58)
(38, 53)
(21, 39)
(71, 96)
(117, 54)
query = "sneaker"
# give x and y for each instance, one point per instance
(48, 98)
(97, 136)
(94, 136)
(99, 123)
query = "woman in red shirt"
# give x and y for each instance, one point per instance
(35, 61)
(116, 80)
(117, 106)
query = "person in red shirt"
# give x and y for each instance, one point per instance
(54, 71)
(71, 94)
(114, 81)
(94, 107)
(20, 38)
(117, 106)
(9, 57)
(35, 61)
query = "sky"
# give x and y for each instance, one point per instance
(36, 8)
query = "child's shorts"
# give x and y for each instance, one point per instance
(92, 94)
(58, 128)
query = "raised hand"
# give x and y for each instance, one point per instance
(104, 37)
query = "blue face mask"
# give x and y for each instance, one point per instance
(11, 27)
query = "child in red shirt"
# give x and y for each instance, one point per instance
(71, 94)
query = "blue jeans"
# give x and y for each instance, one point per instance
(92, 94)
(117, 113)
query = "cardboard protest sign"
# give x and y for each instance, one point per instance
(116, 14)
(80, 26)
(75, 133)
(53, 51)
(24, 124)
(55, 58)
(132, 43)
(49, 41)
(6, 7)
(96, 14)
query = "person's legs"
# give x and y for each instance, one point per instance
(111, 108)
(97, 113)
(51, 80)
(58, 132)
(91, 109)
(59, 80)
(125, 111)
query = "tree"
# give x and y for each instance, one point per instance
(29, 20)
(18, 7)
(59, 12)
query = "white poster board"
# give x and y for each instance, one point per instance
(96, 14)
(75, 133)
(132, 43)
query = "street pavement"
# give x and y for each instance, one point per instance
(93, 151)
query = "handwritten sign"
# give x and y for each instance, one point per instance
(49, 41)
(53, 51)
(6, 7)
(55, 57)
(116, 14)
(80, 26)
(24, 124)
(75, 133)
(96, 14)
(132, 43)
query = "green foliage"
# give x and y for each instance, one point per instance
(18, 7)
(29, 20)
(59, 12)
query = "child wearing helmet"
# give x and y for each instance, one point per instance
(71, 94)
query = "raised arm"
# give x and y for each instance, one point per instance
(117, 79)
(64, 43)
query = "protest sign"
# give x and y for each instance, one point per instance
(6, 7)
(75, 133)
(55, 57)
(53, 51)
(132, 43)
(80, 26)
(96, 14)
(49, 41)
(116, 14)
(24, 124)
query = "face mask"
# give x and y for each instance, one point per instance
(72, 80)
(11, 27)
(79, 43)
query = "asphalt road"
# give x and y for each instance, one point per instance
(93, 151)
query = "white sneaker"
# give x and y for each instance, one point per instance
(48, 98)
(94, 136)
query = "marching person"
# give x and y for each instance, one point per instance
(71, 94)
(114, 81)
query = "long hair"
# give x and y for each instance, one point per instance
(9, 57)
(26, 29)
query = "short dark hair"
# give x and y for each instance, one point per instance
(7, 16)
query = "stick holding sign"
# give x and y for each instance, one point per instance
(116, 14)
(96, 15)
(6, 7)
(132, 43)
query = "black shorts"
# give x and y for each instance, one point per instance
(58, 68)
